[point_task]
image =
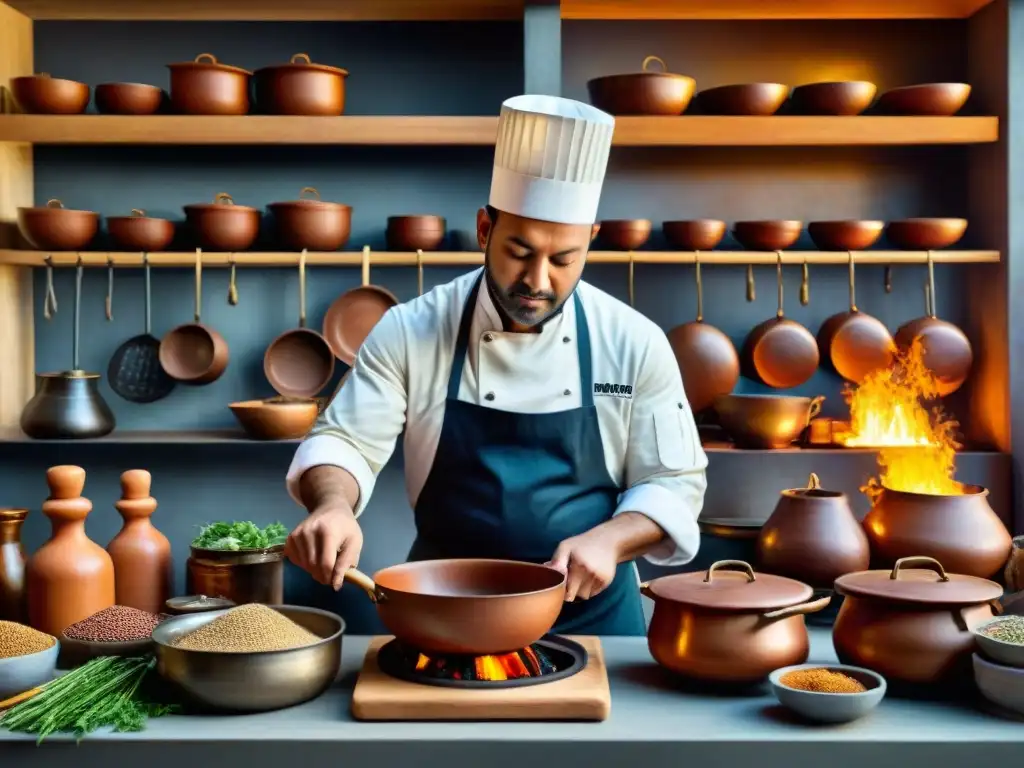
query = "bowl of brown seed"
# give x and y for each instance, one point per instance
(828, 693)
(115, 631)
(1002, 640)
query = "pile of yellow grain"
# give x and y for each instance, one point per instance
(19, 640)
(821, 681)
(251, 628)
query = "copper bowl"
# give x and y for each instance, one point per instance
(55, 228)
(140, 232)
(850, 235)
(207, 87)
(925, 234)
(695, 234)
(768, 235)
(415, 233)
(45, 95)
(276, 418)
(312, 224)
(222, 225)
(624, 234)
(129, 99)
(765, 421)
(845, 99)
(928, 99)
(642, 93)
(754, 99)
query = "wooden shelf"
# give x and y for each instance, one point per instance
(475, 258)
(466, 131)
(443, 10)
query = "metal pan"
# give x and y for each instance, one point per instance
(474, 606)
(194, 353)
(134, 371)
(353, 315)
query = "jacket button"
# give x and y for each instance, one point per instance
(489, 396)
(565, 339)
(567, 392)
(488, 337)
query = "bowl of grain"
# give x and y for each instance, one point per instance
(28, 658)
(115, 631)
(250, 658)
(1002, 640)
(828, 693)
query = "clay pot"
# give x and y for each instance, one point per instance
(141, 554)
(813, 536)
(912, 625)
(312, 224)
(206, 87)
(276, 418)
(624, 234)
(644, 92)
(222, 225)
(12, 565)
(70, 577)
(129, 99)
(140, 232)
(301, 88)
(55, 228)
(729, 626)
(961, 532)
(844, 99)
(754, 99)
(415, 233)
(45, 95)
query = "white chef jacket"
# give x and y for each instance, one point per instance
(400, 379)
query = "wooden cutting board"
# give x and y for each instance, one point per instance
(583, 696)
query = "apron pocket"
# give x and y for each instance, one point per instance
(675, 451)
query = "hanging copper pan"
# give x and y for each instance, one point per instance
(780, 352)
(855, 344)
(353, 315)
(707, 358)
(947, 350)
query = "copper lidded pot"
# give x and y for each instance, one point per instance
(243, 576)
(912, 624)
(301, 87)
(812, 536)
(729, 624)
(207, 87)
(222, 225)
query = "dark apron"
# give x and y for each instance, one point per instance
(515, 485)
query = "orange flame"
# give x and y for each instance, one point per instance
(509, 666)
(917, 446)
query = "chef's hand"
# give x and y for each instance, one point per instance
(588, 561)
(326, 544)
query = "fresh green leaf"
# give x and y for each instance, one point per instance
(239, 535)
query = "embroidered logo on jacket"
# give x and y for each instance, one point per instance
(613, 390)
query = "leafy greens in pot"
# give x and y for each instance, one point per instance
(239, 535)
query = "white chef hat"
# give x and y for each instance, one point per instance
(550, 159)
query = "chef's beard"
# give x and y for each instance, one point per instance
(507, 300)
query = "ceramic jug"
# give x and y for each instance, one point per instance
(12, 565)
(70, 577)
(812, 536)
(141, 554)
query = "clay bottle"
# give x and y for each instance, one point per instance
(12, 565)
(70, 577)
(141, 554)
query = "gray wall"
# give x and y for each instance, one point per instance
(458, 68)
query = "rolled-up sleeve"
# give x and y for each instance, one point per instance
(359, 428)
(665, 463)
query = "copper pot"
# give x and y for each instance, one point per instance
(762, 422)
(194, 353)
(643, 93)
(140, 232)
(729, 626)
(129, 99)
(206, 87)
(243, 576)
(962, 532)
(301, 88)
(912, 625)
(312, 224)
(415, 233)
(44, 95)
(222, 225)
(812, 535)
(694, 234)
(757, 99)
(624, 234)
(53, 227)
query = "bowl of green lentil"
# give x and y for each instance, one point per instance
(1002, 639)
(28, 658)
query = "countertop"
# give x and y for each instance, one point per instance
(652, 718)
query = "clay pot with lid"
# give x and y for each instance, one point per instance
(312, 224)
(140, 553)
(913, 623)
(643, 93)
(415, 233)
(53, 227)
(301, 87)
(962, 532)
(140, 232)
(812, 535)
(222, 225)
(12, 565)
(44, 95)
(739, 626)
(207, 87)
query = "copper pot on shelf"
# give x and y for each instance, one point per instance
(52, 227)
(813, 536)
(729, 626)
(44, 95)
(139, 232)
(313, 225)
(204, 86)
(962, 531)
(301, 87)
(643, 93)
(912, 625)
(243, 576)
(222, 225)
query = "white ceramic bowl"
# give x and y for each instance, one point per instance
(22, 673)
(999, 650)
(830, 707)
(1000, 684)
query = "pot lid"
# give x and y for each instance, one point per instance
(736, 589)
(928, 583)
(222, 201)
(648, 73)
(813, 490)
(302, 61)
(208, 61)
(306, 202)
(54, 205)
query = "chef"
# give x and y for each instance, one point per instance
(544, 420)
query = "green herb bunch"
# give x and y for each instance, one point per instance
(239, 535)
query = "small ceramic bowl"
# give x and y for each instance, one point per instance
(23, 673)
(1002, 685)
(830, 707)
(75, 653)
(998, 650)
